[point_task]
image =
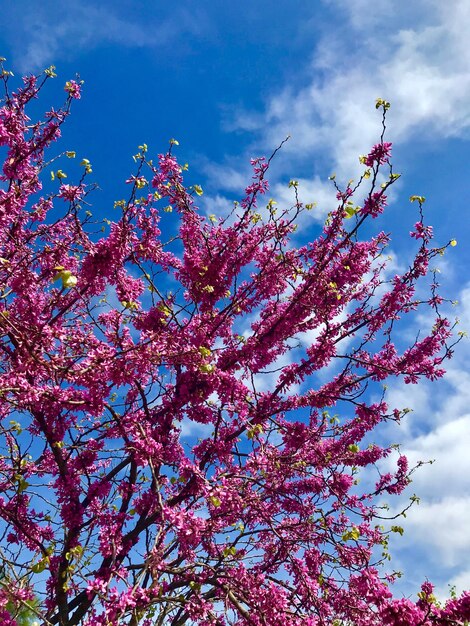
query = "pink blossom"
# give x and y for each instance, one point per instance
(379, 154)
(73, 88)
(72, 193)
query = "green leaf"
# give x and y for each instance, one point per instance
(350, 211)
(41, 565)
(354, 534)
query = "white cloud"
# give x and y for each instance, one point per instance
(228, 178)
(190, 428)
(321, 193)
(464, 309)
(441, 527)
(268, 379)
(447, 444)
(461, 581)
(418, 58)
(217, 205)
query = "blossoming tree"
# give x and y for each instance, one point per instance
(118, 345)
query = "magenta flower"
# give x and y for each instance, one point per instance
(73, 88)
(73, 193)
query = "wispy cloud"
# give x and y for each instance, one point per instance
(48, 32)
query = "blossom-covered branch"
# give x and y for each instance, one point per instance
(148, 474)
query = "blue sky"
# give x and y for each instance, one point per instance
(232, 80)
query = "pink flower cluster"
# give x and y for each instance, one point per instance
(73, 193)
(73, 88)
(379, 154)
